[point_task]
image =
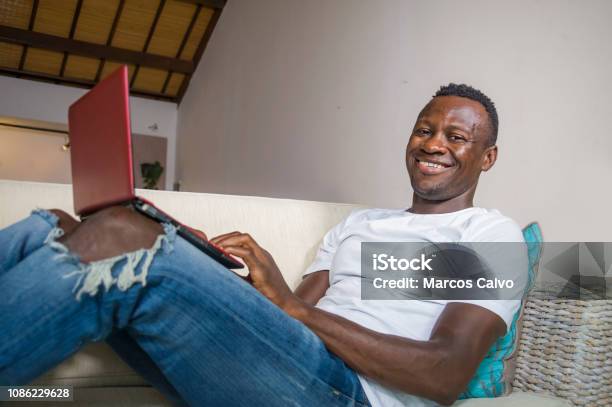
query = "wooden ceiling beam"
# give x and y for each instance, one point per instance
(111, 35)
(87, 49)
(216, 4)
(30, 27)
(199, 52)
(145, 48)
(81, 83)
(186, 36)
(75, 20)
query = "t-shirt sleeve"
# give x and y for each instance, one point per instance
(504, 236)
(327, 249)
(505, 309)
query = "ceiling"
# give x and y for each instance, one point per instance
(79, 42)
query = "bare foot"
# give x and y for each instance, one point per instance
(66, 222)
(111, 232)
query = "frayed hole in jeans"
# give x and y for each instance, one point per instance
(99, 274)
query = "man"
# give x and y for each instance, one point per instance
(206, 337)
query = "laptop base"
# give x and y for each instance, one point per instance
(213, 251)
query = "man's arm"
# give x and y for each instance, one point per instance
(453, 330)
(438, 369)
(313, 287)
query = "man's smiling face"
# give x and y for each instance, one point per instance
(448, 148)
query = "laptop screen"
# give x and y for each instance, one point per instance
(100, 145)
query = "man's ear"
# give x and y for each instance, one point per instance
(489, 158)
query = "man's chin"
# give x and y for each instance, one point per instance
(436, 192)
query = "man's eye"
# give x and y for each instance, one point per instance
(456, 138)
(423, 132)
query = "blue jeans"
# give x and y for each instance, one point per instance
(192, 328)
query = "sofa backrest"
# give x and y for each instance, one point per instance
(289, 229)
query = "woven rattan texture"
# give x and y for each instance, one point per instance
(566, 350)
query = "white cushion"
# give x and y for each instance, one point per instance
(289, 229)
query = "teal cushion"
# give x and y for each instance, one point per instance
(494, 376)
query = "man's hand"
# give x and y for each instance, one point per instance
(263, 271)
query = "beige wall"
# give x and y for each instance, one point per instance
(31, 100)
(315, 100)
(34, 155)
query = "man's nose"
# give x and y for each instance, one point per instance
(436, 143)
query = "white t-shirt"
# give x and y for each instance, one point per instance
(340, 253)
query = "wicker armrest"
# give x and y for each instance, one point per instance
(565, 350)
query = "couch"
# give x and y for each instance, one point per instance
(290, 229)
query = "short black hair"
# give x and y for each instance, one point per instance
(466, 91)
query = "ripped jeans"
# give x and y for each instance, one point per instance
(192, 328)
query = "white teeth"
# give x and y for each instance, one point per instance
(432, 165)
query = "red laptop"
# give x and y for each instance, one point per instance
(101, 155)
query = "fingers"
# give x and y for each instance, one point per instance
(244, 241)
(217, 239)
(246, 254)
(236, 239)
